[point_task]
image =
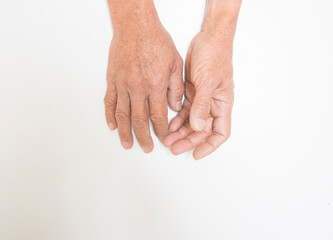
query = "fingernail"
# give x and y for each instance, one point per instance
(200, 124)
(111, 126)
(147, 149)
(179, 106)
(126, 145)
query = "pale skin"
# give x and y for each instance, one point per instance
(145, 74)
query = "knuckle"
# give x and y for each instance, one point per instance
(158, 118)
(144, 139)
(179, 89)
(110, 99)
(135, 83)
(124, 135)
(109, 74)
(156, 83)
(109, 114)
(121, 116)
(139, 122)
(182, 131)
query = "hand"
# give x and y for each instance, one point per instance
(144, 72)
(204, 123)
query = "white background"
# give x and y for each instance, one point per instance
(64, 175)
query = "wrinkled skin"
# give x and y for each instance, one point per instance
(144, 74)
(204, 123)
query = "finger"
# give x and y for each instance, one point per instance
(181, 117)
(201, 105)
(158, 110)
(110, 102)
(123, 120)
(192, 140)
(188, 61)
(176, 136)
(201, 94)
(221, 132)
(139, 117)
(176, 87)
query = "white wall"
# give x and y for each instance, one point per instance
(64, 176)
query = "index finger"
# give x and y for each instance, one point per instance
(220, 134)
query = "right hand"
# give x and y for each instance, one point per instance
(144, 73)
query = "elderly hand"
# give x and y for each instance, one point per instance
(204, 123)
(206, 113)
(144, 73)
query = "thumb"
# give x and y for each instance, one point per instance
(201, 107)
(176, 88)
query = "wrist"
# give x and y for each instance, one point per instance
(132, 16)
(221, 18)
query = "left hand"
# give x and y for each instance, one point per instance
(204, 122)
